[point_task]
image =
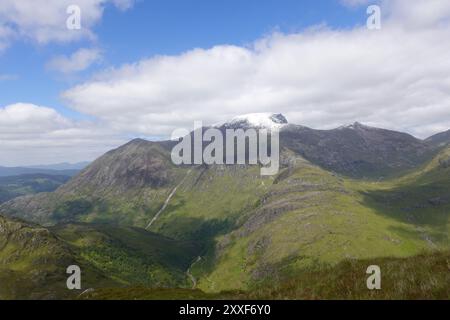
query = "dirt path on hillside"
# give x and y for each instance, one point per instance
(189, 274)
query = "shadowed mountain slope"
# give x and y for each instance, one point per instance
(357, 150)
(440, 139)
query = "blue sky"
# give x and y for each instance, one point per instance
(166, 27)
(142, 68)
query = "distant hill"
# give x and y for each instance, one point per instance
(15, 186)
(62, 166)
(440, 139)
(15, 171)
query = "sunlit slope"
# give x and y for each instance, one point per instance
(421, 198)
(211, 200)
(425, 276)
(246, 228)
(310, 216)
(33, 263)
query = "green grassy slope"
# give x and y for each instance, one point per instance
(251, 228)
(425, 276)
(246, 228)
(421, 199)
(33, 259)
(33, 264)
(131, 256)
(311, 216)
(132, 207)
(210, 200)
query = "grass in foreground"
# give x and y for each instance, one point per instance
(426, 276)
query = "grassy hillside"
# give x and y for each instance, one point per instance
(33, 264)
(131, 256)
(310, 216)
(33, 259)
(245, 228)
(249, 228)
(210, 200)
(425, 276)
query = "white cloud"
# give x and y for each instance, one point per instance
(78, 61)
(31, 134)
(28, 118)
(44, 21)
(5, 34)
(397, 77)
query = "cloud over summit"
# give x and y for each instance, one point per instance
(397, 77)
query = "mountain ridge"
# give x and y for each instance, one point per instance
(250, 228)
(143, 170)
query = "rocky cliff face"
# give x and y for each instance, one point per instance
(136, 164)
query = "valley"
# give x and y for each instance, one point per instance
(15, 186)
(343, 198)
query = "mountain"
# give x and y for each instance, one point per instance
(257, 120)
(440, 139)
(357, 150)
(137, 164)
(126, 185)
(326, 205)
(16, 171)
(130, 184)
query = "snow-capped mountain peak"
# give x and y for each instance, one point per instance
(257, 120)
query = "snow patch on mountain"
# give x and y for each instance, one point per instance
(358, 126)
(270, 121)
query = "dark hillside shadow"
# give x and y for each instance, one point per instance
(424, 205)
